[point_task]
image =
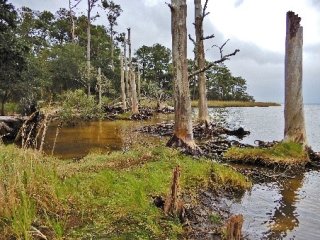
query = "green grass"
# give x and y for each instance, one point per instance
(216, 103)
(107, 196)
(285, 153)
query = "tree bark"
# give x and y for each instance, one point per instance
(293, 108)
(126, 66)
(200, 63)
(100, 88)
(112, 47)
(123, 90)
(183, 135)
(88, 46)
(134, 100)
(139, 84)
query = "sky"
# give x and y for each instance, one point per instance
(256, 27)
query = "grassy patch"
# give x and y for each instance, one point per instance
(102, 196)
(215, 103)
(281, 154)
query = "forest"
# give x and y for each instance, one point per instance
(103, 141)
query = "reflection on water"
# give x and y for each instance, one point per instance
(286, 210)
(103, 136)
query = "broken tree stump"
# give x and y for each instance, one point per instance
(173, 204)
(293, 107)
(233, 228)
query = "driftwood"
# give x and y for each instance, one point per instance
(9, 126)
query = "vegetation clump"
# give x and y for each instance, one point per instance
(109, 195)
(282, 154)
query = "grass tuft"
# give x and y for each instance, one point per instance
(285, 153)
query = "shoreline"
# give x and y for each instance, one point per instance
(216, 103)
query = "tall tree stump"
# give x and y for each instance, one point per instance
(293, 108)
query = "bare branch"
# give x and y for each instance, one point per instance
(170, 6)
(192, 40)
(221, 47)
(204, 13)
(224, 58)
(208, 37)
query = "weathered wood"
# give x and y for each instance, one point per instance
(9, 126)
(203, 115)
(233, 228)
(293, 107)
(134, 99)
(173, 204)
(182, 103)
(122, 83)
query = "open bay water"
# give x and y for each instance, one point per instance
(267, 123)
(286, 209)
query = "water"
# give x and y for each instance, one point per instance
(287, 209)
(272, 210)
(267, 123)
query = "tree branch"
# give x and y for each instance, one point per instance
(170, 6)
(224, 58)
(192, 40)
(208, 37)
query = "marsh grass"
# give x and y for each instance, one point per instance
(101, 196)
(285, 153)
(216, 103)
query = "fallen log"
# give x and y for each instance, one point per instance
(9, 126)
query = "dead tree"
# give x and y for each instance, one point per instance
(91, 5)
(126, 65)
(113, 12)
(183, 135)
(200, 60)
(99, 78)
(293, 107)
(123, 90)
(200, 14)
(134, 99)
(71, 7)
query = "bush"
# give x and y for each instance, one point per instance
(76, 104)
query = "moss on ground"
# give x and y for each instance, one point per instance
(284, 153)
(101, 196)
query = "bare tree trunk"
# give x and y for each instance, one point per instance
(112, 48)
(139, 84)
(183, 135)
(123, 90)
(293, 108)
(72, 23)
(100, 88)
(126, 67)
(88, 46)
(134, 100)
(200, 63)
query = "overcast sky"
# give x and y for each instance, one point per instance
(256, 27)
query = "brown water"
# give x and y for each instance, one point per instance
(272, 210)
(98, 136)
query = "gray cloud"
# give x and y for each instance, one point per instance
(238, 3)
(263, 69)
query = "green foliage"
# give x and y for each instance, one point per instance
(76, 104)
(284, 153)
(155, 64)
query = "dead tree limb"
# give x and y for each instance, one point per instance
(224, 58)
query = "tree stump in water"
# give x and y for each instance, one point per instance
(293, 107)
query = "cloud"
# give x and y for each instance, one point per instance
(238, 3)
